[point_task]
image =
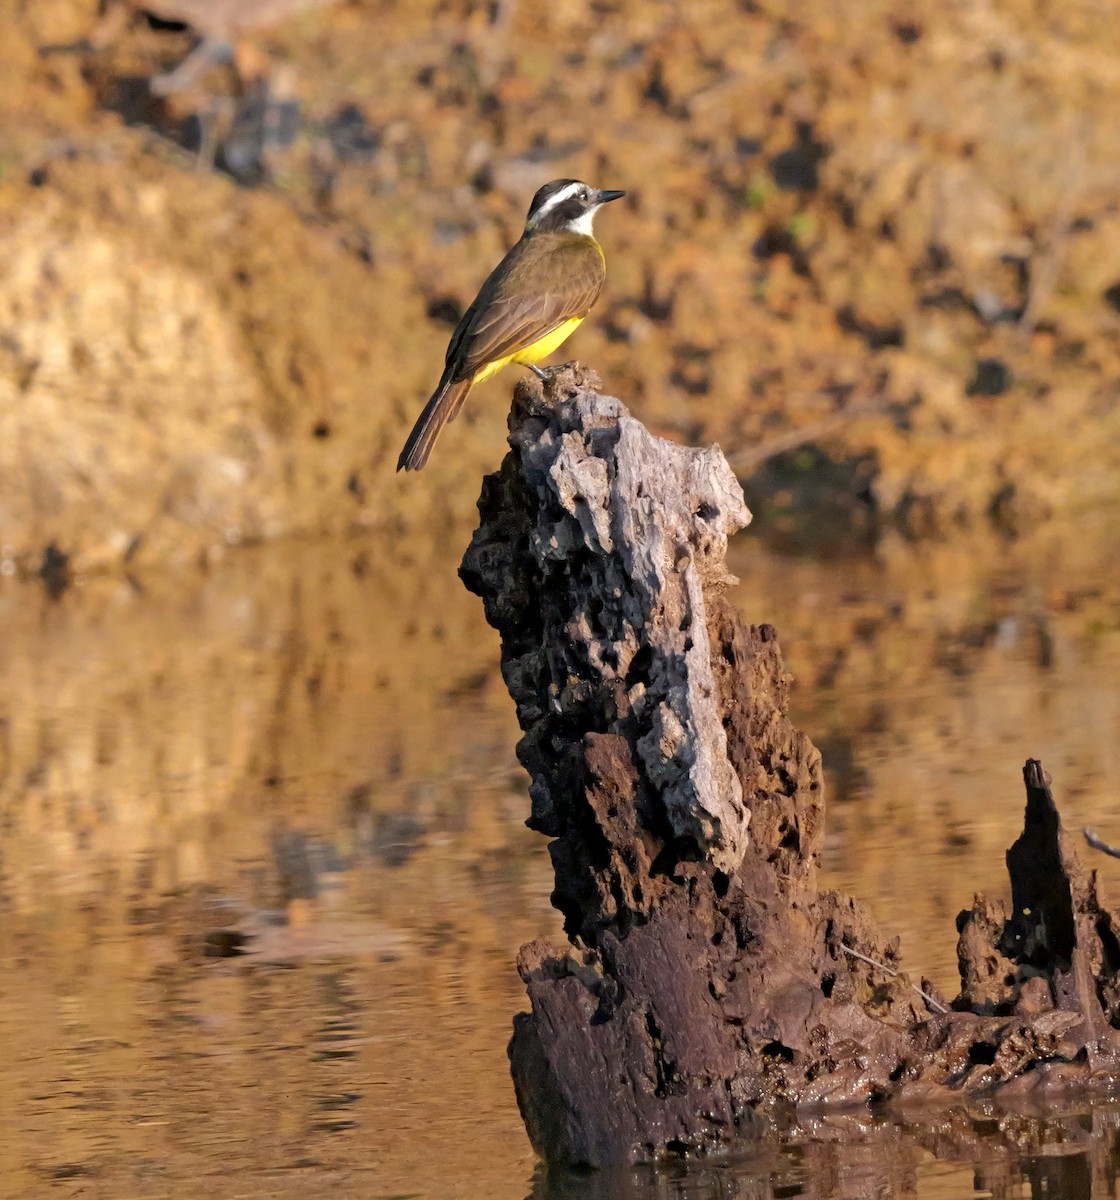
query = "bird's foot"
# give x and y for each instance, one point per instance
(547, 374)
(540, 402)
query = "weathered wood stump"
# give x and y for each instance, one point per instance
(708, 977)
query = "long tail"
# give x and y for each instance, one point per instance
(445, 403)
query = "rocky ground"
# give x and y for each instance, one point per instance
(881, 240)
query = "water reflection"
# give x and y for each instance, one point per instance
(263, 872)
(927, 675)
(980, 1150)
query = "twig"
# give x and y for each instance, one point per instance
(936, 1005)
(748, 459)
(1046, 266)
(1098, 843)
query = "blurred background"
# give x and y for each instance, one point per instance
(263, 873)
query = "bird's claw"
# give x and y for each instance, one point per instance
(546, 374)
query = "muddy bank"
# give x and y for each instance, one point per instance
(709, 975)
(174, 384)
(887, 245)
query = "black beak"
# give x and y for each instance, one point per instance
(603, 197)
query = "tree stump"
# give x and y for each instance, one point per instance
(708, 979)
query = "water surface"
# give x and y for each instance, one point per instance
(263, 872)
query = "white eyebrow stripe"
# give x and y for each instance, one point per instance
(562, 195)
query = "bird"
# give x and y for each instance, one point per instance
(531, 302)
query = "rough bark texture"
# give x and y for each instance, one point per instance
(708, 976)
(1059, 952)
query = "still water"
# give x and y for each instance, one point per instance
(263, 872)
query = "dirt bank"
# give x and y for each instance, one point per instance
(890, 238)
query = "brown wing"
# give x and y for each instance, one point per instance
(542, 282)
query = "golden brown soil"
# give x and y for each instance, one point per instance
(889, 228)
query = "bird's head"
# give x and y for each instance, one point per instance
(566, 206)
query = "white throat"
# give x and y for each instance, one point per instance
(582, 223)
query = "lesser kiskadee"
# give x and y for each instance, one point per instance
(531, 302)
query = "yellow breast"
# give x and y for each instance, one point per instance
(534, 352)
